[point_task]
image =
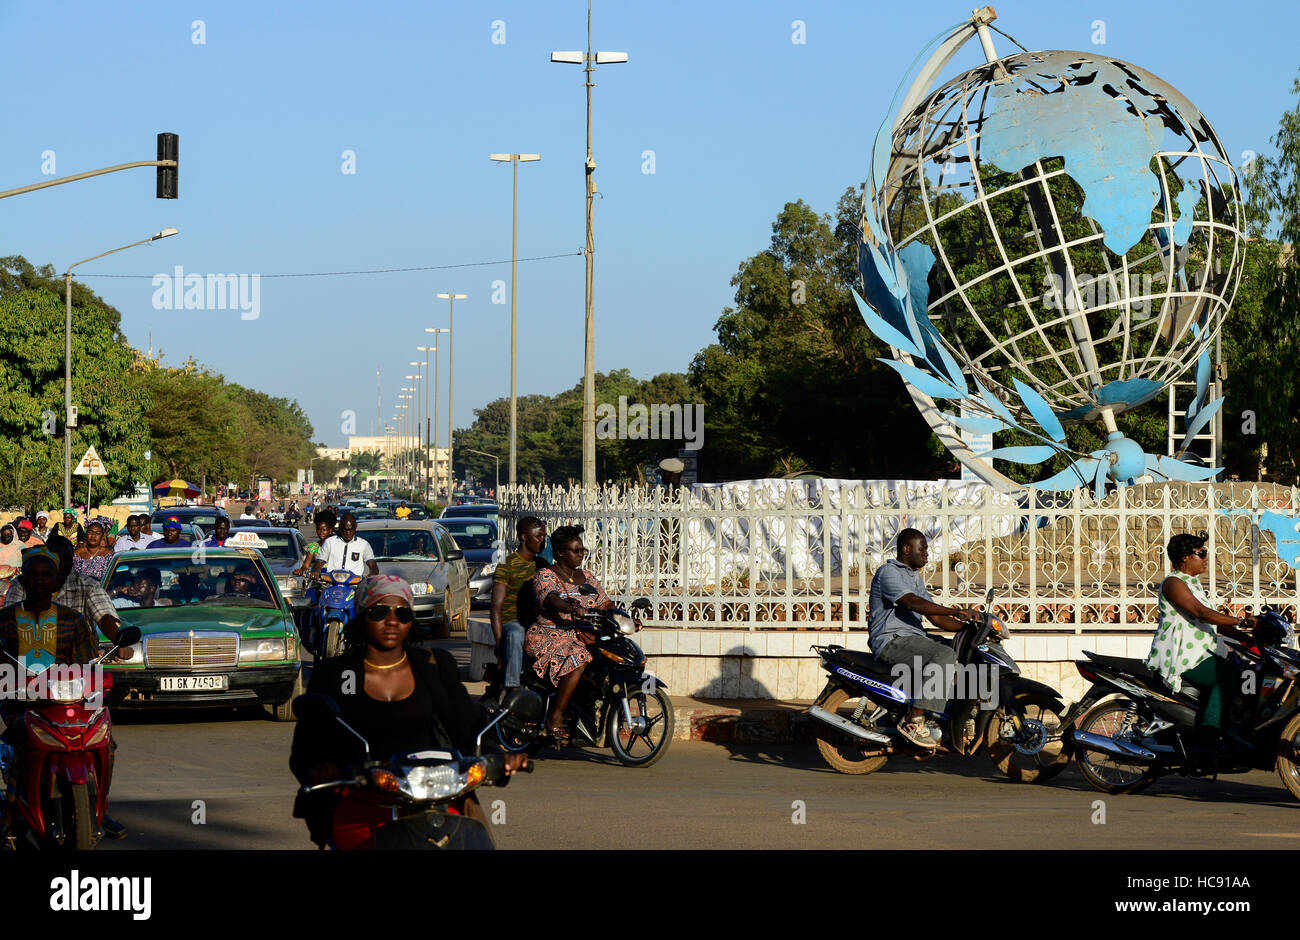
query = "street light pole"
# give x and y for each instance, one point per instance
(589, 60)
(67, 357)
(514, 159)
(434, 474)
(419, 425)
(451, 384)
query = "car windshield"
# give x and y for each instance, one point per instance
(134, 581)
(472, 535)
(205, 519)
(402, 544)
(280, 546)
(470, 510)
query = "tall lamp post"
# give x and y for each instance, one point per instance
(68, 424)
(430, 425)
(514, 159)
(498, 460)
(589, 60)
(148, 459)
(422, 419)
(451, 384)
(415, 421)
(429, 329)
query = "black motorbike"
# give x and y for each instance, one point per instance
(616, 705)
(1122, 745)
(1017, 721)
(413, 800)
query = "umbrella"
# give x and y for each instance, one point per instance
(175, 488)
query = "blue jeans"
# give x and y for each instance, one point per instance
(512, 641)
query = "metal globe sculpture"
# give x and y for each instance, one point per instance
(1063, 229)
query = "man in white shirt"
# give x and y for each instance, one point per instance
(345, 551)
(134, 538)
(247, 513)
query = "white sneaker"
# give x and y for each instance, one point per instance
(915, 730)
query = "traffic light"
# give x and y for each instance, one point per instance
(168, 149)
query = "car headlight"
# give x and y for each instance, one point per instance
(488, 570)
(289, 585)
(257, 651)
(421, 589)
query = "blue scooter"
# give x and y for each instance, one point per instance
(333, 605)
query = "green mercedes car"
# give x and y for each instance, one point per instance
(216, 630)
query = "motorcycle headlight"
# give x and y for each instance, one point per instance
(626, 625)
(67, 691)
(257, 651)
(441, 781)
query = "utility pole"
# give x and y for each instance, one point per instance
(590, 60)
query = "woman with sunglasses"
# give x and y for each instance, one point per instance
(1182, 649)
(397, 696)
(554, 640)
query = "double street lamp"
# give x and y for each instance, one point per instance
(451, 384)
(496, 495)
(589, 60)
(434, 350)
(68, 419)
(514, 159)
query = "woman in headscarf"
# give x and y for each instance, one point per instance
(91, 559)
(11, 555)
(42, 528)
(397, 696)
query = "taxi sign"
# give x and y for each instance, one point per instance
(246, 539)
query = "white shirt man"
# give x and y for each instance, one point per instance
(125, 543)
(354, 556)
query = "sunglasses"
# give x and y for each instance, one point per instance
(1201, 553)
(378, 612)
(573, 551)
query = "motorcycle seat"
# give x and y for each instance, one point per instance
(1138, 669)
(859, 659)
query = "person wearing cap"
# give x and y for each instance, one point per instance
(135, 537)
(42, 527)
(409, 699)
(27, 534)
(172, 529)
(70, 528)
(670, 471)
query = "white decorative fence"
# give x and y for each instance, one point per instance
(800, 554)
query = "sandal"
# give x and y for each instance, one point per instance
(560, 735)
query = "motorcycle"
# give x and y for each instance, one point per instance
(413, 800)
(1122, 745)
(1015, 720)
(616, 705)
(335, 603)
(58, 778)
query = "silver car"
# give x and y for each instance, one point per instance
(426, 556)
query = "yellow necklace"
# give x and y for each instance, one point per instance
(391, 666)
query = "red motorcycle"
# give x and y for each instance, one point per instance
(59, 776)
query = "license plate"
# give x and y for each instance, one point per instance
(193, 683)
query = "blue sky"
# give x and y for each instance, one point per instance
(740, 120)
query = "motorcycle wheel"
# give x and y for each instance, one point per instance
(332, 644)
(846, 755)
(515, 736)
(1102, 772)
(1288, 756)
(655, 738)
(79, 824)
(1029, 768)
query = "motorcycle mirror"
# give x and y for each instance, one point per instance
(587, 589)
(315, 706)
(526, 705)
(641, 603)
(128, 636)
(988, 598)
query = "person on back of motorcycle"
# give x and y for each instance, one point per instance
(899, 600)
(325, 522)
(556, 640)
(406, 699)
(512, 578)
(1183, 648)
(346, 551)
(39, 632)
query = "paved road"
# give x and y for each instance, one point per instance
(699, 796)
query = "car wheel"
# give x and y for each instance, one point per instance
(284, 710)
(442, 626)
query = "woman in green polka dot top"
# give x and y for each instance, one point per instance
(1184, 644)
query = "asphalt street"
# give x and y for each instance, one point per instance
(220, 780)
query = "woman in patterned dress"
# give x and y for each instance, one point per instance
(554, 640)
(91, 560)
(1183, 648)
